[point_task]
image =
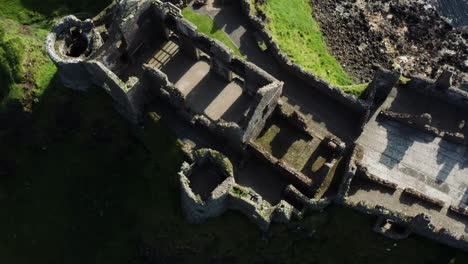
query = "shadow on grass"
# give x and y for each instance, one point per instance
(50, 8)
(81, 179)
(84, 186)
(5, 85)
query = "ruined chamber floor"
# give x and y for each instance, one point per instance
(206, 93)
(414, 159)
(374, 194)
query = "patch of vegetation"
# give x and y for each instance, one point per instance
(11, 57)
(29, 12)
(239, 191)
(207, 26)
(24, 57)
(286, 143)
(293, 27)
(356, 89)
(25, 69)
(267, 137)
(262, 46)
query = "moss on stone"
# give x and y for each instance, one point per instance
(239, 191)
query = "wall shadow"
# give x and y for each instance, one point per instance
(399, 140)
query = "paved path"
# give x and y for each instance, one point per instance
(323, 112)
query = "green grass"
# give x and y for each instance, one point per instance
(207, 26)
(29, 21)
(36, 66)
(44, 11)
(298, 35)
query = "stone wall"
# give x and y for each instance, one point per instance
(130, 24)
(266, 100)
(229, 196)
(352, 102)
(299, 180)
(118, 90)
(422, 122)
(71, 69)
(449, 95)
(265, 89)
(420, 224)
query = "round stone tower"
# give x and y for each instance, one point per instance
(69, 44)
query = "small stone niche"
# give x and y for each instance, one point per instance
(210, 169)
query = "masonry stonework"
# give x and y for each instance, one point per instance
(407, 164)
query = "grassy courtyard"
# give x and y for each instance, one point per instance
(207, 26)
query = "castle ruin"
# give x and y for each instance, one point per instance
(277, 149)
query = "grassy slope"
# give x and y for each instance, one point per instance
(30, 20)
(85, 187)
(38, 68)
(293, 27)
(81, 181)
(207, 26)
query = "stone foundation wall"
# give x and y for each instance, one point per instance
(419, 224)
(449, 95)
(422, 123)
(229, 196)
(299, 180)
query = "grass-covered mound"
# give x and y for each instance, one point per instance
(298, 35)
(207, 26)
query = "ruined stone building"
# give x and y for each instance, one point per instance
(269, 149)
(410, 164)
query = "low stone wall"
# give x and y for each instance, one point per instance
(228, 196)
(420, 196)
(336, 93)
(298, 179)
(325, 177)
(118, 90)
(419, 224)
(363, 172)
(305, 203)
(161, 86)
(458, 210)
(422, 123)
(294, 118)
(451, 95)
(382, 221)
